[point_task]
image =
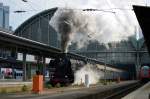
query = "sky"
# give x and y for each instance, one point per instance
(35, 6)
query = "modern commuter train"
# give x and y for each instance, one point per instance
(144, 73)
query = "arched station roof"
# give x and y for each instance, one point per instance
(37, 28)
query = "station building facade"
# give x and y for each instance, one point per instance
(37, 28)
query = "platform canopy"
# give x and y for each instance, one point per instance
(143, 17)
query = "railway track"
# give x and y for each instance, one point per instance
(115, 92)
(121, 92)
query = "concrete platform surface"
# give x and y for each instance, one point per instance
(141, 93)
(11, 83)
(65, 93)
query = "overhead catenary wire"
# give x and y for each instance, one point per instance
(38, 8)
(94, 10)
(86, 9)
(116, 16)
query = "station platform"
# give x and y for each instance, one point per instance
(13, 83)
(141, 93)
(67, 92)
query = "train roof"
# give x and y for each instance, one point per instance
(145, 67)
(110, 68)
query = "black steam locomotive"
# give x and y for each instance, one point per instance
(61, 71)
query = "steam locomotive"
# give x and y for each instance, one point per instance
(61, 71)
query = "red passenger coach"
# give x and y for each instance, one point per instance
(145, 73)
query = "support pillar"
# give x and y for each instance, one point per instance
(13, 58)
(28, 71)
(38, 64)
(24, 67)
(105, 63)
(137, 65)
(137, 60)
(13, 72)
(0, 73)
(44, 68)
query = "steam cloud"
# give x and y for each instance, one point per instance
(93, 74)
(77, 26)
(73, 26)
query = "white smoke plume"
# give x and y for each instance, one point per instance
(93, 74)
(115, 22)
(74, 27)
